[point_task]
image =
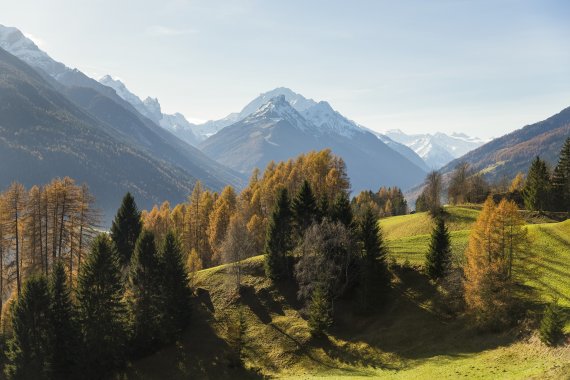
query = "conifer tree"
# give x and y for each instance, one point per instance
(304, 208)
(144, 297)
(552, 324)
(65, 342)
(438, 258)
(101, 310)
(175, 288)
(278, 241)
(126, 228)
(536, 192)
(30, 349)
(561, 179)
(319, 311)
(374, 277)
(341, 210)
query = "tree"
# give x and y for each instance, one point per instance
(459, 184)
(304, 208)
(374, 277)
(552, 324)
(224, 208)
(496, 240)
(144, 296)
(194, 264)
(431, 194)
(341, 210)
(126, 228)
(517, 183)
(101, 310)
(536, 192)
(319, 311)
(438, 258)
(176, 291)
(15, 203)
(561, 179)
(237, 245)
(30, 349)
(65, 341)
(278, 241)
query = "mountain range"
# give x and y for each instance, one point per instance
(56, 121)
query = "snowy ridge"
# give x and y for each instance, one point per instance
(277, 109)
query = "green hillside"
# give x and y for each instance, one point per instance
(412, 338)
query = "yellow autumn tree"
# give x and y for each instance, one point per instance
(222, 212)
(498, 239)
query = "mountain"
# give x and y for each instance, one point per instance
(44, 135)
(277, 131)
(436, 149)
(150, 107)
(507, 155)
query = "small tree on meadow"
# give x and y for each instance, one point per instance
(319, 311)
(552, 324)
(438, 258)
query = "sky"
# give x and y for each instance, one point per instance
(484, 67)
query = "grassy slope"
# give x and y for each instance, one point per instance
(409, 340)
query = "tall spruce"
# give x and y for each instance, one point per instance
(278, 240)
(101, 310)
(536, 192)
(374, 276)
(175, 288)
(561, 179)
(145, 298)
(30, 349)
(65, 341)
(438, 258)
(304, 208)
(126, 228)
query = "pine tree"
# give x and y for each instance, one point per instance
(278, 241)
(175, 288)
(561, 179)
(374, 276)
(536, 192)
(319, 311)
(304, 208)
(126, 228)
(144, 297)
(30, 349)
(65, 341)
(341, 210)
(552, 324)
(101, 310)
(438, 258)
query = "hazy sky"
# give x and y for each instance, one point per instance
(480, 67)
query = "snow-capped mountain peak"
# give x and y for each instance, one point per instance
(276, 109)
(330, 121)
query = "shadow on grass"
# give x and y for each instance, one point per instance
(199, 354)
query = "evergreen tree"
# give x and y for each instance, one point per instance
(175, 288)
(30, 349)
(374, 277)
(304, 208)
(561, 179)
(145, 298)
(319, 311)
(536, 192)
(126, 228)
(101, 310)
(552, 325)
(341, 210)
(278, 241)
(63, 321)
(438, 258)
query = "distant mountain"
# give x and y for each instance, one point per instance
(277, 131)
(150, 107)
(513, 153)
(436, 149)
(122, 121)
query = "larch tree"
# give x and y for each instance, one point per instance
(126, 228)
(459, 184)
(16, 198)
(224, 208)
(236, 247)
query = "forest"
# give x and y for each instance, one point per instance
(82, 302)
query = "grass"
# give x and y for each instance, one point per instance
(410, 339)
